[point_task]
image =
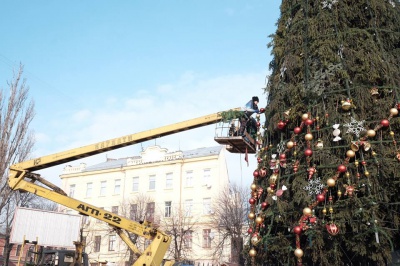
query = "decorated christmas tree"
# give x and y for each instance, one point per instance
(327, 187)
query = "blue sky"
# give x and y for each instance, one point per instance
(103, 69)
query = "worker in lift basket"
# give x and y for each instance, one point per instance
(247, 122)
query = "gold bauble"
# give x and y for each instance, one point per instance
(253, 187)
(290, 144)
(252, 252)
(251, 215)
(331, 182)
(339, 193)
(366, 173)
(259, 220)
(356, 163)
(394, 111)
(373, 153)
(371, 133)
(331, 210)
(304, 116)
(347, 174)
(324, 211)
(307, 211)
(391, 133)
(298, 253)
(308, 136)
(350, 153)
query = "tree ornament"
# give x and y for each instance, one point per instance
(336, 132)
(374, 92)
(319, 144)
(321, 197)
(297, 230)
(262, 172)
(281, 125)
(355, 127)
(307, 211)
(256, 173)
(314, 186)
(251, 215)
(385, 123)
(259, 220)
(331, 182)
(250, 230)
(350, 153)
(342, 168)
(304, 117)
(253, 187)
(252, 201)
(252, 253)
(308, 152)
(332, 229)
(371, 133)
(264, 204)
(394, 111)
(346, 105)
(308, 136)
(297, 130)
(290, 144)
(349, 190)
(273, 178)
(298, 253)
(308, 122)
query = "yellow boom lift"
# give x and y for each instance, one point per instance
(22, 177)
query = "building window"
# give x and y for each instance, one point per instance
(207, 177)
(18, 250)
(117, 187)
(71, 190)
(150, 209)
(188, 207)
(133, 212)
(103, 186)
(89, 189)
(188, 239)
(207, 206)
(97, 243)
(114, 209)
(189, 178)
(111, 242)
(206, 238)
(135, 184)
(168, 205)
(168, 180)
(152, 182)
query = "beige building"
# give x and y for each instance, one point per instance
(174, 190)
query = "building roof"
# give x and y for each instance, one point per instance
(123, 162)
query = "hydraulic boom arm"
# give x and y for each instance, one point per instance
(154, 253)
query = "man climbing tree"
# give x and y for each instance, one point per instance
(326, 190)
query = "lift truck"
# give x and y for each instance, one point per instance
(23, 178)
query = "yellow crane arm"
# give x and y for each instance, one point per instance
(154, 253)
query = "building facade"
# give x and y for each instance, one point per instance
(173, 190)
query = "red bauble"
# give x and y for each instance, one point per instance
(282, 156)
(250, 230)
(297, 230)
(308, 152)
(272, 186)
(262, 110)
(320, 197)
(342, 168)
(259, 160)
(255, 173)
(258, 124)
(385, 123)
(264, 204)
(332, 229)
(309, 122)
(281, 125)
(297, 130)
(262, 172)
(252, 201)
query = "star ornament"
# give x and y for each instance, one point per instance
(355, 127)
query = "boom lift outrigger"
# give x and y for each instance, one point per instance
(23, 171)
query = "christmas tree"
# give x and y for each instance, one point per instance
(327, 187)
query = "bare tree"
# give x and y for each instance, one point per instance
(137, 209)
(230, 215)
(16, 143)
(181, 227)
